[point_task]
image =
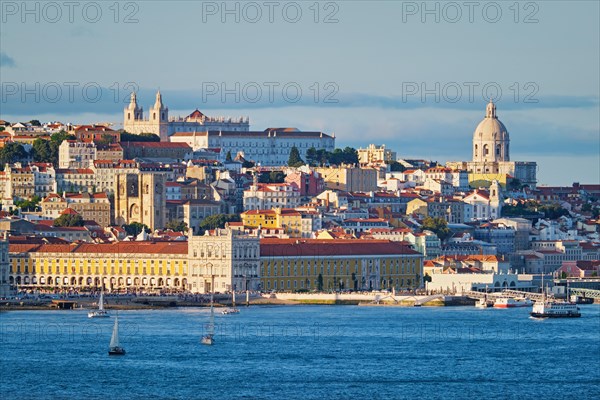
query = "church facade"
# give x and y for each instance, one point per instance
(491, 155)
(159, 122)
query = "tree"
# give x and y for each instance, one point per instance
(295, 160)
(217, 221)
(437, 225)
(271, 177)
(135, 228)
(29, 205)
(320, 283)
(142, 137)
(41, 151)
(350, 155)
(35, 122)
(12, 152)
(395, 166)
(177, 226)
(312, 156)
(69, 220)
(228, 156)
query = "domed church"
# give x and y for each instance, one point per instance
(491, 155)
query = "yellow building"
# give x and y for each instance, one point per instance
(312, 264)
(416, 206)
(222, 260)
(118, 266)
(287, 219)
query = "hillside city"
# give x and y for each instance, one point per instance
(201, 204)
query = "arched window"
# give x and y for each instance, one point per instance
(476, 150)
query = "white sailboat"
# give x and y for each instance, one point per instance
(100, 312)
(114, 348)
(209, 338)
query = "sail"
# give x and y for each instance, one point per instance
(114, 340)
(233, 300)
(101, 301)
(211, 323)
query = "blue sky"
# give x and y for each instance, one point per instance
(407, 74)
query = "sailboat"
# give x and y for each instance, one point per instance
(114, 349)
(232, 309)
(100, 312)
(209, 338)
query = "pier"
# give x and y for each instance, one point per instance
(506, 293)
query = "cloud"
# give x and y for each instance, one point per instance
(6, 60)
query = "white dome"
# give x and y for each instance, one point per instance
(490, 128)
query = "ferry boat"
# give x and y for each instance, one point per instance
(555, 309)
(509, 302)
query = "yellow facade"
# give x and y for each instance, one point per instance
(324, 265)
(277, 218)
(84, 270)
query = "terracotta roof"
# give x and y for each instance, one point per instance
(270, 247)
(106, 248)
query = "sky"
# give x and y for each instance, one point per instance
(415, 76)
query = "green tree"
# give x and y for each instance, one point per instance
(271, 177)
(41, 151)
(437, 225)
(142, 137)
(135, 228)
(295, 160)
(29, 205)
(69, 220)
(350, 155)
(228, 156)
(35, 122)
(320, 283)
(12, 152)
(312, 156)
(395, 166)
(217, 221)
(177, 226)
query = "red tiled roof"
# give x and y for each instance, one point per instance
(270, 247)
(106, 248)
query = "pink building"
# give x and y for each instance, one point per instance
(580, 268)
(309, 184)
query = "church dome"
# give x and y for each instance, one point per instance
(490, 128)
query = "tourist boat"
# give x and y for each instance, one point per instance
(114, 348)
(100, 312)
(555, 309)
(209, 338)
(509, 302)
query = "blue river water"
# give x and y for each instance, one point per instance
(302, 352)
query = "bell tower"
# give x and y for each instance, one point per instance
(159, 117)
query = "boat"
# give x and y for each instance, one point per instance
(550, 308)
(483, 303)
(509, 302)
(581, 300)
(114, 348)
(209, 338)
(100, 312)
(232, 309)
(555, 309)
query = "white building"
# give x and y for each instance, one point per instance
(225, 256)
(75, 154)
(270, 147)
(264, 196)
(484, 205)
(375, 154)
(159, 123)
